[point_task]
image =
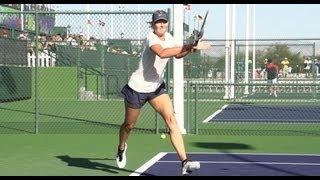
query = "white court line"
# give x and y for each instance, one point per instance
(244, 153)
(148, 164)
(214, 114)
(258, 162)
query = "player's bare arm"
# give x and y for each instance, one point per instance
(180, 51)
(170, 52)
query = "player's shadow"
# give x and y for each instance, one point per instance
(89, 163)
(223, 146)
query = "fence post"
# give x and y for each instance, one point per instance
(195, 110)
(157, 122)
(79, 75)
(36, 76)
(102, 78)
(188, 106)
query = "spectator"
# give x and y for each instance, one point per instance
(24, 36)
(80, 41)
(263, 69)
(4, 33)
(317, 67)
(285, 67)
(90, 44)
(38, 48)
(307, 66)
(71, 40)
(272, 74)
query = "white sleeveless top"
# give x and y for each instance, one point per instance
(150, 73)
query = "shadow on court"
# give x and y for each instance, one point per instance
(89, 163)
(222, 146)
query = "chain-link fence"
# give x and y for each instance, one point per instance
(216, 105)
(65, 78)
(71, 75)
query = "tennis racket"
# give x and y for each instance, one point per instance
(198, 34)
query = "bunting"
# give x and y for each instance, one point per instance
(89, 22)
(101, 23)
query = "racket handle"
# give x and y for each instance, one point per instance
(195, 43)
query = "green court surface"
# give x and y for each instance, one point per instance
(94, 155)
(100, 117)
(70, 116)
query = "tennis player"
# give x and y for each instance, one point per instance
(146, 84)
(272, 74)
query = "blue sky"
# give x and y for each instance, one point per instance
(273, 21)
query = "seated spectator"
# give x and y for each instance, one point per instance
(39, 46)
(90, 44)
(71, 40)
(4, 33)
(24, 36)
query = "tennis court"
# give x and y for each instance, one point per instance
(234, 164)
(94, 154)
(265, 113)
(61, 113)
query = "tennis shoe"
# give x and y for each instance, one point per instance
(121, 157)
(189, 166)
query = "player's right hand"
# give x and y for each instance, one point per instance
(203, 45)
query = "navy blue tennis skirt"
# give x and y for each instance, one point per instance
(136, 100)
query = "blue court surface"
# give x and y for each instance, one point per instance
(265, 113)
(234, 164)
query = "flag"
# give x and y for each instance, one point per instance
(200, 18)
(187, 7)
(89, 22)
(101, 23)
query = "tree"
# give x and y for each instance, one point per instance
(279, 51)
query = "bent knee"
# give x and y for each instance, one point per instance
(128, 126)
(170, 120)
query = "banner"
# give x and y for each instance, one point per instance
(9, 20)
(46, 21)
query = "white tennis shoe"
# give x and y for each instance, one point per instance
(121, 157)
(190, 166)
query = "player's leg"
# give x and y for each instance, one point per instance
(131, 116)
(161, 102)
(163, 105)
(133, 103)
(269, 86)
(274, 87)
